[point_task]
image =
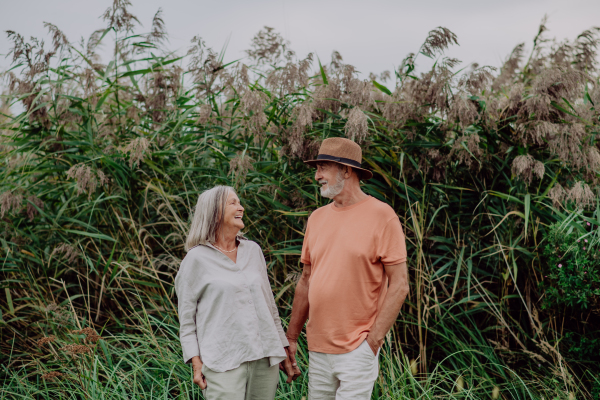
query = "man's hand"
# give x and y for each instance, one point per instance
(289, 365)
(297, 320)
(397, 291)
(291, 352)
(286, 366)
(199, 378)
(373, 344)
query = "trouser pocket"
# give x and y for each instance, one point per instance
(366, 348)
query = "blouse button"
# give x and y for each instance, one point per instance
(250, 301)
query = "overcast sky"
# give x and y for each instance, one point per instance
(372, 35)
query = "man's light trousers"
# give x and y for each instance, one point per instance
(347, 376)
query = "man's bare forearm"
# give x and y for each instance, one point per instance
(299, 306)
(390, 308)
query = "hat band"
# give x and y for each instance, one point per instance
(327, 157)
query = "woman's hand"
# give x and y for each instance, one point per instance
(199, 378)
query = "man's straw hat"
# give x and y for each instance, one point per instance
(342, 151)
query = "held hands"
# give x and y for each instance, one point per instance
(289, 365)
(199, 378)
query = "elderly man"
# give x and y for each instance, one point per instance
(354, 280)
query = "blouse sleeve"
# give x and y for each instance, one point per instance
(271, 301)
(187, 306)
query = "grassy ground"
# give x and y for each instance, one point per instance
(148, 365)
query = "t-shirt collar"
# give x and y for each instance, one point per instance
(353, 206)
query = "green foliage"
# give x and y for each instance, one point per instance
(583, 348)
(102, 165)
(572, 259)
(596, 389)
(148, 365)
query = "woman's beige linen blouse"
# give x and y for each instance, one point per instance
(227, 313)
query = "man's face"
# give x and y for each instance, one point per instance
(331, 179)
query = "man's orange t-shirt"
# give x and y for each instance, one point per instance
(347, 248)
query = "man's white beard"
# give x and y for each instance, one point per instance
(333, 190)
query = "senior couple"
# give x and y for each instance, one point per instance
(351, 290)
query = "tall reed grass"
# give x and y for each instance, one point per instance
(101, 170)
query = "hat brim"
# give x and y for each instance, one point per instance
(362, 173)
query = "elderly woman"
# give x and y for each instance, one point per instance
(230, 328)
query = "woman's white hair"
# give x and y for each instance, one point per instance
(208, 216)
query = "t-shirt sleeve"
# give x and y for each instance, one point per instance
(392, 243)
(305, 257)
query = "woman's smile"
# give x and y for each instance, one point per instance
(234, 212)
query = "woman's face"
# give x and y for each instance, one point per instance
(233, 212)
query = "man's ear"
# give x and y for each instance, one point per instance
(348, 171)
